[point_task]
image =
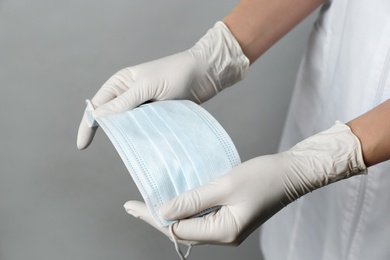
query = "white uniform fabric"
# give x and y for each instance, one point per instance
(345, 72)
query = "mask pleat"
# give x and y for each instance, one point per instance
(121, 132)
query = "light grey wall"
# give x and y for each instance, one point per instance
(60, 203)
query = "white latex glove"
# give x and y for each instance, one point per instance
(257, 189)
(215, 62)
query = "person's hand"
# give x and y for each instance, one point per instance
(257, 189)
(215, 62)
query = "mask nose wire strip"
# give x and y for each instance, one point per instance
(178, 250)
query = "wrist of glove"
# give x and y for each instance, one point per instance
(322, 159)
(257, 189)
(215, 62)
(222, 61)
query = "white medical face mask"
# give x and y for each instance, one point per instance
(169, 147)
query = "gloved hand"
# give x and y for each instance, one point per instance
(215, 62)
(257, 189)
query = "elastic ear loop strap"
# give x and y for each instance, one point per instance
(178, 250)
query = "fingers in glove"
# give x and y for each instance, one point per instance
(119, 83)
(112, 88)
(196, 200)
(85, 134)
(131, 98)
(139, 210)
(219, 227)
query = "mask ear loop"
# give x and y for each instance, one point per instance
(178, 250)
(92, 123)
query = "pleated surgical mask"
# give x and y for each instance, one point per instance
(169, 147)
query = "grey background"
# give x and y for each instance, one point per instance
(60, 203)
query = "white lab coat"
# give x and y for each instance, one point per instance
(344, 73)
